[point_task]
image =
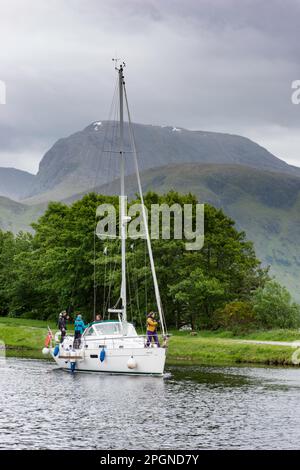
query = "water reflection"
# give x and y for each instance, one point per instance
(196, 408)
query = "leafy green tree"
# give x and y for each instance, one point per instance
(54, 268)
(199, 297)
(7, 251)
(274, 308)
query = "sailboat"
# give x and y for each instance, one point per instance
(114, 346)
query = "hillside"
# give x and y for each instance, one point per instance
(14, 184)
(15, 216)
(90, 157)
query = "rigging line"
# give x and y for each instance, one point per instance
(105, 276)
(104, 279)
(109, 277)
(95, 281)
(111, 281)
(99, 161)
(135, 277)
(110, 151)
(146, 283)
(77, 271)
(109, 179)
(129, 292)
(157, 293)
(107, 126)
(113, 161)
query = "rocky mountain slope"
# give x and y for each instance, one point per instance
(90, 157)
(15, 184)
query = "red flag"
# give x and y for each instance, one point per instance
(48, 338)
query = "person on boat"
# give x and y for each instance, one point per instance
(152, 330)
(62, 325)
(98, 317)
(79, 328)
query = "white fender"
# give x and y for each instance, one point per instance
(45, 351)
(131, 364)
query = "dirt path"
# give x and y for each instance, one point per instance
(291, 344)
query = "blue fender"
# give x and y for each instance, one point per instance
(56, 350)
(102, 355)
(72, 366)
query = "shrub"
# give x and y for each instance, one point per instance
(237, 315)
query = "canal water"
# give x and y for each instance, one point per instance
(190, 408)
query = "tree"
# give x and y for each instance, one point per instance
(7, 251)
(274, 308)
(199, 297)
(54, 268)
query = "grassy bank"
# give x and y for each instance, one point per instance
(217, 351)
(25, 338)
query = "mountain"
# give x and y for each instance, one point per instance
(90, 157)
(14, 183)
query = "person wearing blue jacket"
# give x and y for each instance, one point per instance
(79, 328)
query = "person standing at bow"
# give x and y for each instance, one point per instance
(152, 330)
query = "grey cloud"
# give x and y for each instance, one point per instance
(218, 65)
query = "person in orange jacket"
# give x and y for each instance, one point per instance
(152, 329)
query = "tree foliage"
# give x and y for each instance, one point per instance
(273, 307)
(53, 269)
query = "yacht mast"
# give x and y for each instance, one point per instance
(122, 196)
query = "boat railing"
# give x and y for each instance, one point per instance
(113, 339)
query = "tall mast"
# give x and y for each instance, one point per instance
(122, 196)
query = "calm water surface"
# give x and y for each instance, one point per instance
(190, 408)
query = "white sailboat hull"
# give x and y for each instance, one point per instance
(131, 360)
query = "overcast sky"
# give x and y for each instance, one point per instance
(200, 64)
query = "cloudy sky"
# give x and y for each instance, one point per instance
(222, 65)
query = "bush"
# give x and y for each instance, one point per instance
(274, 308)
(236, 315)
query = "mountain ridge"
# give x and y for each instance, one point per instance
(87, 158)
(14, 183)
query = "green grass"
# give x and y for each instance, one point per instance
(25, 338)
(26, 323)
(261, 335)
(217, 351)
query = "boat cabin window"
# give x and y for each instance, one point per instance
(108, 328)
(131, 330)
(90, 332)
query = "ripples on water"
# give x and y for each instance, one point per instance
(191, 408)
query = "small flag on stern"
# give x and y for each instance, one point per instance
(48, 338)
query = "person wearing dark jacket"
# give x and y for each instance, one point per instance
(62, 325)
